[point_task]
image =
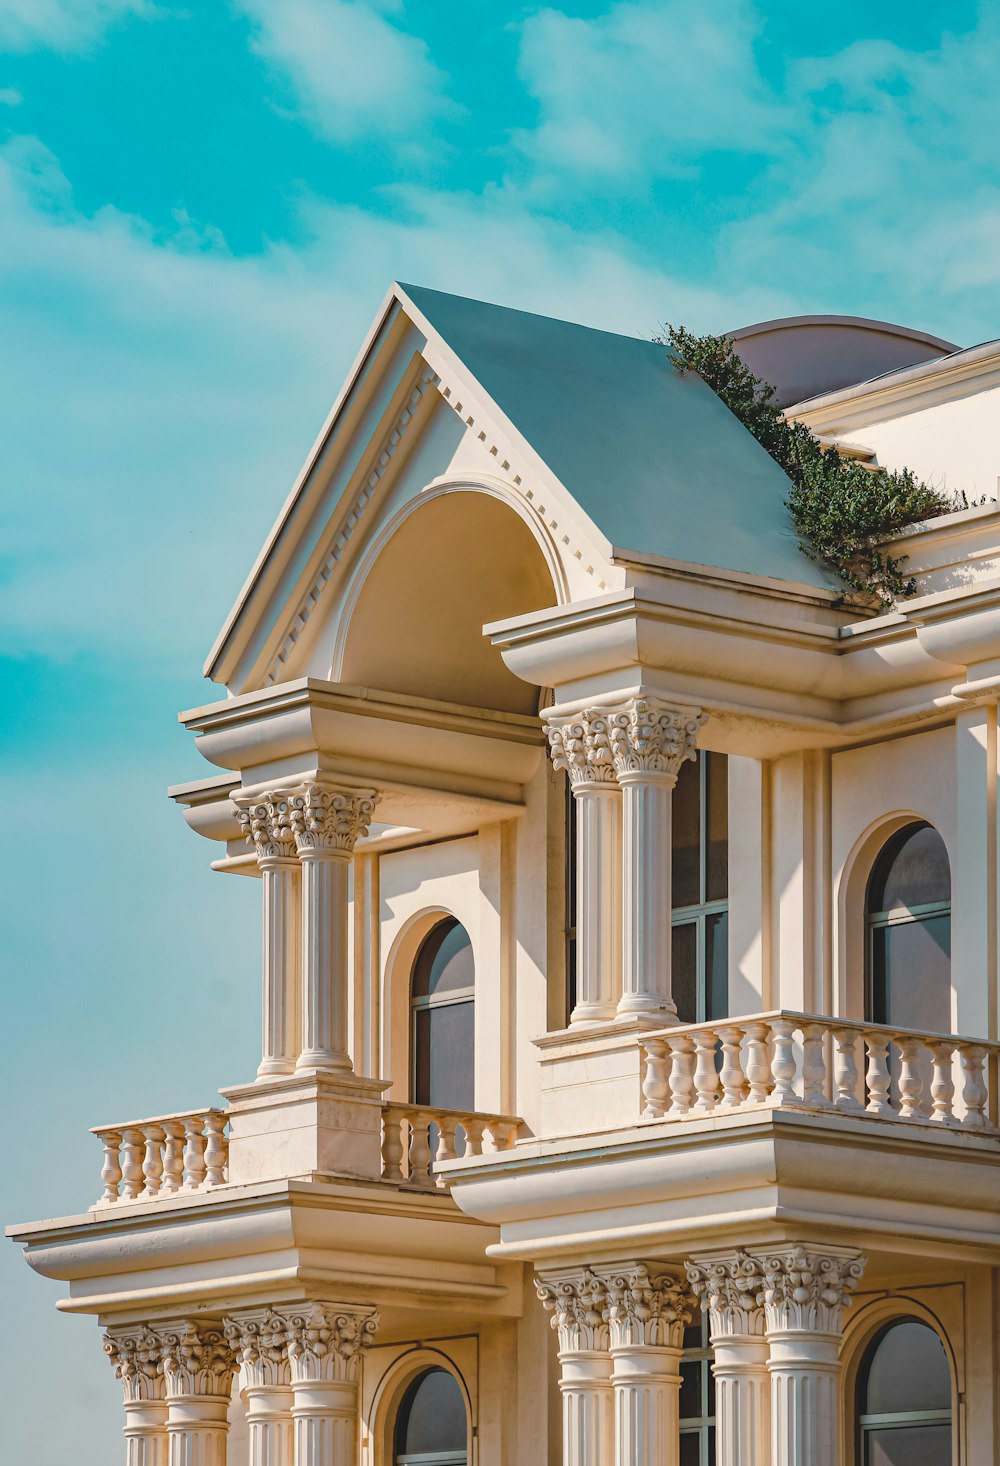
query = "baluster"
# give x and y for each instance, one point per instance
(173, 1157)
(216, 1149)
(814, 1067)
(194, 1152)
(133, 1150)
(877, 1075)
(943, 1084)
(681, 1074)
(111, 1171)
(152, 1164)
(445, 1146)
(392, 1144)
(473, 1134)
(655, 1085)
(504, 1133)
(783, 1065)
(731, 1074)
(420, 1150)
(911, 1083)
(974, 1091)
(758, 1063)
(846, 1069)
(706, 1078)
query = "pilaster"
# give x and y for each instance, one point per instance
(730, 1287)
(578, 1301)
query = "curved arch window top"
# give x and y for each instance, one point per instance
(442, 1003)
(431, 1427)
(904, 1398)
(908, 920)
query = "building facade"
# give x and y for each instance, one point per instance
(628, 1089)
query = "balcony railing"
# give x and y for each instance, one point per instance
(170, 1155)
(801, 1061)
(416, 1137)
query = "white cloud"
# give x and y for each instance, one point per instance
(10, 97)
(353, 73)
(166, 391)
(647, 89)
(62, 25)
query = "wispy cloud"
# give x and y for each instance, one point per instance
(62, 25)
(10, 97)
(349, 68)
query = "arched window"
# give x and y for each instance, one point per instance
(431, 1427)
(904, 1398)
(909, 932)
(442, 1002)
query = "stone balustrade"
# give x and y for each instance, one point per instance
(827, 1065)
(415, 1137)
(168, 1155)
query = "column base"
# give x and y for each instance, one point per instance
(304, 1125)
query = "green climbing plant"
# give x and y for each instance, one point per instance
(843, 511)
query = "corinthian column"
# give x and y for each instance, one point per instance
(731, 1289)
(138, 1363)
(805, 1292)
(326, 1346)
(327, 822)
(579, 744)
(259, 1341)
(578, 1304)
(265, 822)
(649, 742)
(647, 1314)
(198, 1367)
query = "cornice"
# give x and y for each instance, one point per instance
(913, 389)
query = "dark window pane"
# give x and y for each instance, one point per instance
(710, 1381)
(432, 1416)
(911, 974)
(693, 1336)
(686, 836)
(444, 963)
(717, 827)
(717, 966)
(912, 870)
(445, 1056)
(684, 971)
(909, 1445)
(690, 1448)
(907, 1370)
(691, 1390)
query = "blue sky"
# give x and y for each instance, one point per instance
(201, 206)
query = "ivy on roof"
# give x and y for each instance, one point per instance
(843, 510)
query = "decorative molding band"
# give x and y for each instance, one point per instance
(265, 820)
(647, 1307)
(578, 1303)
(348, 524)
(136, 1355)
(731, 1290)
(487, 438)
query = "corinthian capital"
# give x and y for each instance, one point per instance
(327, 817)
(731, 1289)
(259, 1342)
(137, 1358)
(647, 735)
(327, 1341)
(197, 1358)
(579, 744)
(807, 1289)
(647, 1307)
(578, 1304)
(266, 823)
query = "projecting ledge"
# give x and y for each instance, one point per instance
(666, 1188)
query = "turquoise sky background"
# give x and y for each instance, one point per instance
(201, 206)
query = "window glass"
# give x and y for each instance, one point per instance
(912, 871)
(700, 967)
(684, 970)
(443, 1023)
(686, 836)
(904, 1398)
(697, 1398)
(445, 962)
(717, 965)
(431, 1424)
(716, 827)
(909, 933)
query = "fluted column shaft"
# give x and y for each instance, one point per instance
(137, 1359)
(649, 742)
(647, 1385)
(588, 1407)
(145, 1433)
(326, 1345)
(598, 901)
(731, 1288)
(805, 1293)
(325, 1413)
(259, 1340)
(269, 1423)
(266, 823)
(197, 1430)
(198, 1367)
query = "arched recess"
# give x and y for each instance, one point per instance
(852, 892)
(449, 562)
(391, 1391)
(862, 1329)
